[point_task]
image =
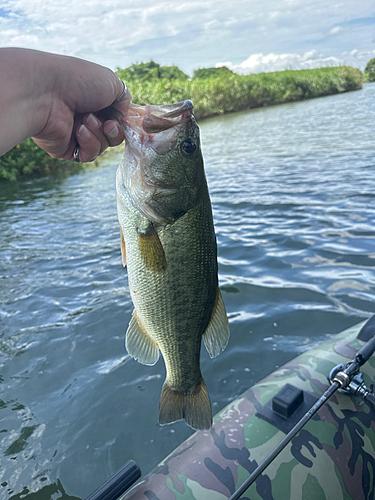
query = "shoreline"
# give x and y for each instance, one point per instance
(213, 96)
(269, 105)
(230, 93)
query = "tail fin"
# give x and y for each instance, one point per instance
(194, 408)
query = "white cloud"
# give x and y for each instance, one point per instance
(258, 63)
(336, 30)
(191, 34)
(95, 23)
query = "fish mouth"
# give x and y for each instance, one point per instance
(154, 126)
(149, 128)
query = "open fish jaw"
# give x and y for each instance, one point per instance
(155, 126)
(151, 133)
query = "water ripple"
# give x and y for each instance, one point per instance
(294, 208)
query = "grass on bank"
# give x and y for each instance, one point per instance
(230, 92)
(214, 91)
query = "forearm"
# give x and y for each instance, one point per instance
(25, 95)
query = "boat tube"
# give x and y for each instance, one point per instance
(331, 457)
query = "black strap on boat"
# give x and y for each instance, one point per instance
(118, 483)
(341, 379)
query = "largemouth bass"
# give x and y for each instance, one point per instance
(168, 244)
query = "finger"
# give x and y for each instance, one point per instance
(121, 103)
(117, 111)
(114, 132)
(89, 144)
(95, 126)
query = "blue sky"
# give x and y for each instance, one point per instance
(248, 36)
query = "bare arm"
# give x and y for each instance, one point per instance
(55, 100)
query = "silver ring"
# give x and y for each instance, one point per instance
(76, 155)
(123, 93)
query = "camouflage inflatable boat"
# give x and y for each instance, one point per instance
(332, 456)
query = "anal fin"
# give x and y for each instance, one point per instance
(139, 344)
(216, 335)
(151, 249)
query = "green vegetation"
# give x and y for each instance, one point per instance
(150, 71)
(28, 159)
(212, 72)
(370, 70)
(214, 91)
(228, 92)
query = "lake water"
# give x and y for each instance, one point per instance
(293, 192)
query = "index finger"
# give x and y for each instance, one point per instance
(118, 109)
(121, 103)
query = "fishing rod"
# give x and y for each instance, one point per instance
(118, 483)
(346, 379)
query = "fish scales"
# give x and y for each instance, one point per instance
(172, 272)
(185, 291)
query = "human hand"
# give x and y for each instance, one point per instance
(78, 110)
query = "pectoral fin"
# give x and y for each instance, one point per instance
(123, 248)
(139, 344)
(216, 335)
(152, 251)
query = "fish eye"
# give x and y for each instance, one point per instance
(189, 146)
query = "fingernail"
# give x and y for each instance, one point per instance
(84, 132)
(92, 121)
(113, 133)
